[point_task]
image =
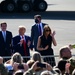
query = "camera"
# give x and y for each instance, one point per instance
(41, 65)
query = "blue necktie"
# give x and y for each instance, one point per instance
(40, 32)
(4, 36)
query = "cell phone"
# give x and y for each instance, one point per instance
(41, 65)
(73, 46)
(20, 66)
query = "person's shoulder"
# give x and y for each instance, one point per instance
(8, 31)
(34, 25)
(44, 23)
(28, 37)
(41, 37)
(16, 36)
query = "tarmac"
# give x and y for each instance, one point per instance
(60, 16)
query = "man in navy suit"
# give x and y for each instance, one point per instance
(36, 30)
(5, 40)
(22, 42)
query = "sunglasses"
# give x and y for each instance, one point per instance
(47, 30)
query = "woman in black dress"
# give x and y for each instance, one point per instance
(44, 45)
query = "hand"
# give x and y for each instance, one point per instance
(48, 66)
(67, 66)
(34, 66)
(15, 66)
(29, 42)
(53, 33)
(21, 41)
(25, 66)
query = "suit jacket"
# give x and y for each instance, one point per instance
(19, 48)
(35, 34)
(5, 46)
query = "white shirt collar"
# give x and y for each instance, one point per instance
(22, 36)
(39, 24)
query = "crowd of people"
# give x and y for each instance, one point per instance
(41, 41)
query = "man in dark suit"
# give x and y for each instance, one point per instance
(5, 40)
(22, 42)
(36, 30)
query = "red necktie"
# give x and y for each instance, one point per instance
(24, 45)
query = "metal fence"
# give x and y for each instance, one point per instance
(27, 57)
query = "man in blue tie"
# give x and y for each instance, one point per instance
(36, 30)
(5, 40)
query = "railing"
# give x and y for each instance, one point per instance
(56, 57)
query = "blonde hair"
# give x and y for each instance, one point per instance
(16, 57)
(36, 57)
(21, 26)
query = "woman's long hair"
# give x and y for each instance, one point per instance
(46, 27)
(37, 57)
(16, 58)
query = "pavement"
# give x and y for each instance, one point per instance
(60, 15)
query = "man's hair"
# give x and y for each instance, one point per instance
(3, 23)
(62, 49)
(21, 26)
(37, 16)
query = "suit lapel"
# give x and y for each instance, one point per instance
(37, 29)
(42, 26)
(25, 38)
(2, 36)
(19, 38)
(6, 35)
